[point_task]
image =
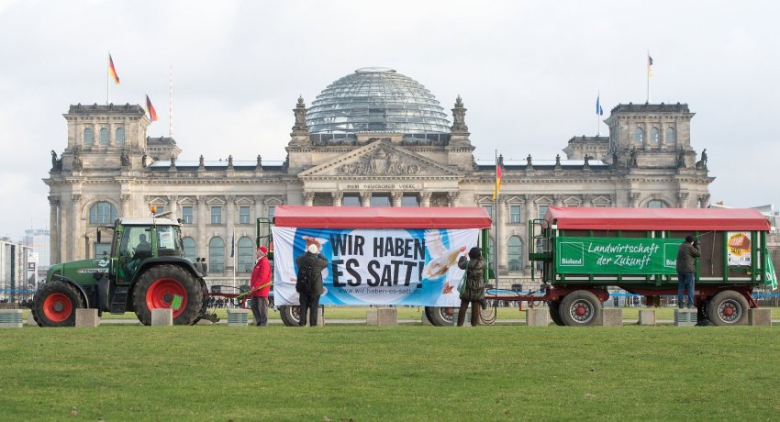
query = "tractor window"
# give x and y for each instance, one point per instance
(135, 241)
(168, 242)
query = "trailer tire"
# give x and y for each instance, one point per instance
(728, 308)
(440, 316)
(555, 312)
(291, 315)
(55, 305)
(158, 288)
(580, 308)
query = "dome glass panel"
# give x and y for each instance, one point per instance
(376, 99)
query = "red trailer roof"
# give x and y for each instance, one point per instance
(674, 219)
(382, 217)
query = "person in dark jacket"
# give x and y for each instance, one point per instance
(686, 268)
(475, 285)
(310, 301)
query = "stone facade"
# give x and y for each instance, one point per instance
(107, 170)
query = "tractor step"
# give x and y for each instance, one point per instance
(119, 300)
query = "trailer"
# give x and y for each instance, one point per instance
(582, 252)
(379, 256)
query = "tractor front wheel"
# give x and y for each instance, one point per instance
(728, 308)
(168, 287)
(580, 308)
(55, 305)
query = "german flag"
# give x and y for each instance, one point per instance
(112, 69)
(497, 188)
(150, 109)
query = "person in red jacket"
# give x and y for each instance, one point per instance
(260, 286)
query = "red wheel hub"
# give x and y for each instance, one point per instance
(728, 311)
(580, 311)
(57, 307)
(167, 293)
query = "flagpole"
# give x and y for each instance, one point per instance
(495, 206)
(598, 104)
(108, 75)
(648, 76)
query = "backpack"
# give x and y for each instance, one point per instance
(303, 285)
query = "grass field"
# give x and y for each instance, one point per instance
(410, 372)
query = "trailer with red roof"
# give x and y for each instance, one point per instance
(581, 252)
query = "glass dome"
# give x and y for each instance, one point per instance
(376, 100)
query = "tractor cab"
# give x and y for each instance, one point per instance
(136, 240)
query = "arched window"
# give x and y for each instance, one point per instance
(246, 255)
(102, 213)
(654, 135)
(103, 136)
(120, 135)
(655, 203)
(216, 262)
(671, 135)
(515, 253)
(89, 137)
(639, 135)
(189, 248)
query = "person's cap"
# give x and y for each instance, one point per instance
(688, 239)
(312, 248)
(263, 250)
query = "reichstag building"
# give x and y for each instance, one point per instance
(372, 138)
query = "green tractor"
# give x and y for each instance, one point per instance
(146, 270)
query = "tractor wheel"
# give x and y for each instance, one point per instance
(728, 308)
(555, 312)
(290, 315)
(440, 316)
(168, 286)
(580, 308)
(55, 305)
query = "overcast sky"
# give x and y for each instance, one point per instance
(528, 72)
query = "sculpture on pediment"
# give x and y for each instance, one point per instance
(77, 164)
(124, 159)
(632, 158)
(56, 163)
(459, 117)
(381, 162)
(702, 164)
(300, 116)
(681, 159)
(230, 162)
(200, 162)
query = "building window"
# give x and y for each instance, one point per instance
(102, 213)
(186, 214)
(655, 203)
(410, 200)
(350, 200)
(243, 214)
(216, 255)
(514, 213)
(120, 135)
(489, 209)
(654, 135)
(246, 255)
(102, 249)
(103, 136)
(381, 200)
(89, 137)
(160, 209)
(216, 215)
(543, 210)
(189, 248)
(515, 253)
(271, 211)
(639, 135)
(671, 136)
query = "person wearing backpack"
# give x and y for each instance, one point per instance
(474, 293)
(309, 285)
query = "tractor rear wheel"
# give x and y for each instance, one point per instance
(580, 308)
(55, 305)
(728, 308)
(168, 287)
(555, 312)
(290, 315)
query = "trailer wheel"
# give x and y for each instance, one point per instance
(166, 286)
(728, 308)
(55, 305)
(291, 315)
(439, 316)
(555, 312)
(580, 308)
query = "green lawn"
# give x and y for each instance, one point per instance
(410, 372)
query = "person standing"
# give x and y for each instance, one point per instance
(310, 300)
(686, 267)
(475, 285)
(260, 286)
(203, 266)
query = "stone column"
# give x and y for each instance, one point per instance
(308, 198)
(72, 247)
(633, 199)
(202, 217)
(230, 227)
(452, 199)
(704, 201)
(682, 198)
(397, 198)
(425, 199)
(558, 200)
(365, 199)
(126, 207)
(173, 207)
(587, 201)
(337, 197)
(259, 206)
(54, 230)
